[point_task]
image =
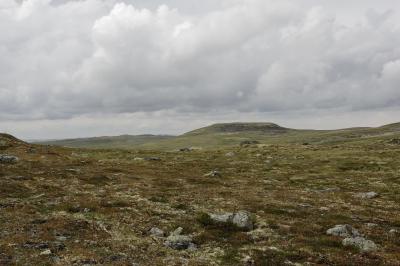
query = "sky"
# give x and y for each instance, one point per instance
(78, 68)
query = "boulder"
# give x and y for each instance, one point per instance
(8, 158)
(367, 195)
(177, 241)
(361, 243)
(214, 173)
(241, 219)
(343, 230)
(156, 232)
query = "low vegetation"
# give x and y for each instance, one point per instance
(74, 206)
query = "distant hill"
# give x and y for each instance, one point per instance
(230, 134)
(123, 141)
(240, 127)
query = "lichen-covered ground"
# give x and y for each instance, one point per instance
(63, 206)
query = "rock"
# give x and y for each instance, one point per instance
(241, 219)
(324, 209)
(395, 141)
(394, 232)
(367, 195)
(344, 230)
(186, 149)
(8, 159)
(248, 261)
(152, 159)
(371, 225)
(45, 252)
(230, 154)
(214, 173)
(249, 142)
(177, 241)
(156, 232)
(361, 243)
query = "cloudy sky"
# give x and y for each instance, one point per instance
(72, 68)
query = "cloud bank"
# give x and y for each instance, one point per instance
(66, 59)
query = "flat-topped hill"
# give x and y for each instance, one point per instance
(239, 127)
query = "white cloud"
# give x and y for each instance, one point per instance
(66, 59)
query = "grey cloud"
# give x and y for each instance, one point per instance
(71, 58)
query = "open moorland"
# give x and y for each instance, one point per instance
(228, 194)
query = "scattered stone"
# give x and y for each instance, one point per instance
(249, 142)
(45, 252)
(248, 261)
(344, 230)
(214, 173)
(241, 219)
(8, 158)
(21, 178)
(305, 205)
(367, 195)
(394, 232)
(177, 241)
(230, 154)
(371, 225)
(395, 141)
(186, 149)
(152, 159)
(361, 243)
(324, 209)
(156, 232)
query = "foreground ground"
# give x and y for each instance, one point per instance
(64, 206)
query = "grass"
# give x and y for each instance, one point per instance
(106, 201)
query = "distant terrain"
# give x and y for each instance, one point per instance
(229, 194)
(230, 134)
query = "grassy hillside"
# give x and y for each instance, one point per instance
(124, 141)
(232, 134)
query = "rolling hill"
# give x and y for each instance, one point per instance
(231, 134)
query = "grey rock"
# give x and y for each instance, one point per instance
(367, 195)
(249, 142)
(241, 219)
(156, 232)
(230, 154)
(214, 173)
(361, 243)
(46, 252)
(152, 159)
(186, 149)
(371, 225)
(177, 241)
(8, 158)
(343, 230)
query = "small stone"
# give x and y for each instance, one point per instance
(361, 243)
(371, 225)
(230, 154)
(214, 173)
(177, 241)
(367, 195)
(324, 209)
(8, 159)
(156, 232)
(45, 252)
(152, 159)
(344, 230)
(241, 219)
(186, 149)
